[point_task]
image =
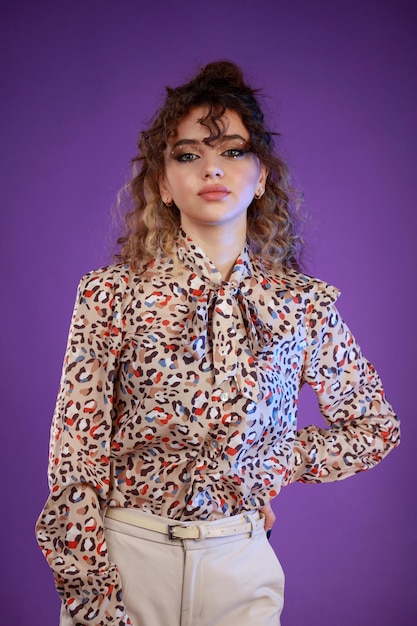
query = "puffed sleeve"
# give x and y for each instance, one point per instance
(362, 427)
(70, 527)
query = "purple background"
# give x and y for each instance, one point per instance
(79, 80)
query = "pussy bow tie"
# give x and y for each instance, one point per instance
(225, 327)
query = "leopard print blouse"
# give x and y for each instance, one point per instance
(179, 396)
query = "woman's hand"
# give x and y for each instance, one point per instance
(270, 517)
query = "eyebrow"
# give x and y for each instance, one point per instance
(193, 142)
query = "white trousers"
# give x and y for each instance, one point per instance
(220, 581)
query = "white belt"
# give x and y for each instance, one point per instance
(206, 530)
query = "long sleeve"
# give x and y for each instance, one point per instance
(362, 427)
(70, 527)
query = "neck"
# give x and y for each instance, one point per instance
(222, 246)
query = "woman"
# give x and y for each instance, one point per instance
(175, 424)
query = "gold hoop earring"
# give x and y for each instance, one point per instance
(259, 193)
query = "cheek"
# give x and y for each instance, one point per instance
(251, 171)
(251, 178)
(178, 180)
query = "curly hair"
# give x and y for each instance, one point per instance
(150, 227)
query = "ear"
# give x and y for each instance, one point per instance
(165, 190)
(263, 175)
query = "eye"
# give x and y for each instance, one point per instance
(234, 153)
(186, 157)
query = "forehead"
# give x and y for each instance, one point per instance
(190, 126)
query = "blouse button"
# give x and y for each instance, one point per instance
(224, 397)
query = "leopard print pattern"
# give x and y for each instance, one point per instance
(179, 396)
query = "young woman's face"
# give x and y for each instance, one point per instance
(214, 183)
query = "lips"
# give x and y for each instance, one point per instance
(213, 192)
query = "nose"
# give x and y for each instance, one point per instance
(212, 167)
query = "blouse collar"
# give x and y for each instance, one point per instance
(224, 324)
(196, 260)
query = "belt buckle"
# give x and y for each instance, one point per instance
(170, 534)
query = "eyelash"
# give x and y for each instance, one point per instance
(185, 157)
(239, 153)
